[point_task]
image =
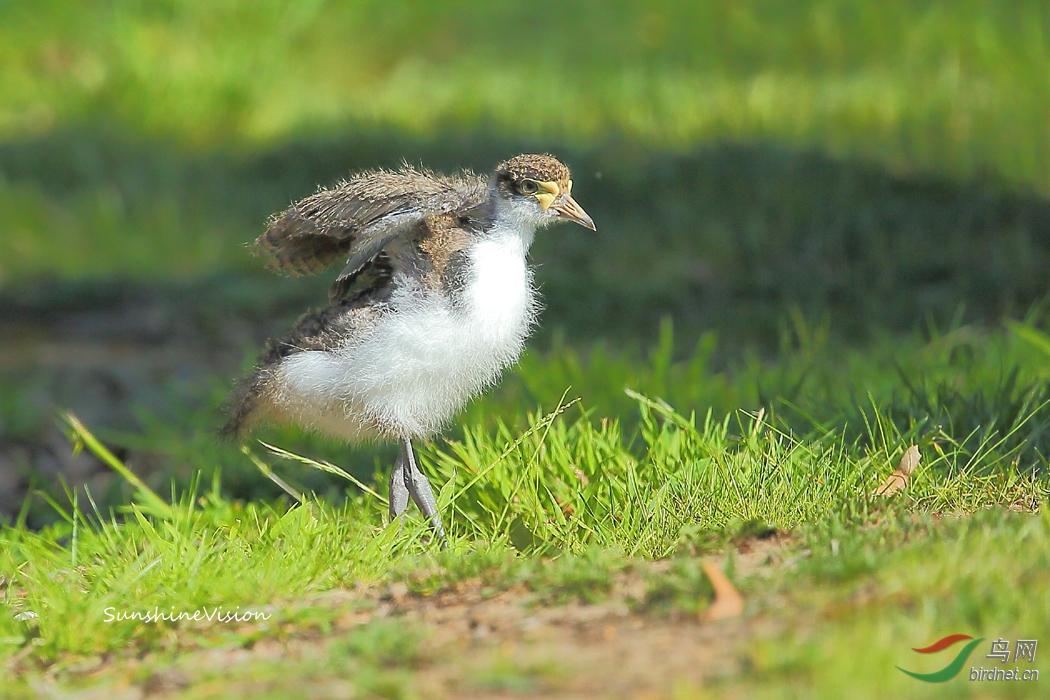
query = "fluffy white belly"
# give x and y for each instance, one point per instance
(424, 360)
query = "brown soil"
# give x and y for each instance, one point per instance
(477, 645)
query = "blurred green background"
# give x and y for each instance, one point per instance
(755, 168)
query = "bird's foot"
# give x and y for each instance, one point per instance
(406, 481)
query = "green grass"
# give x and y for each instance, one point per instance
(559, 505)
(958, 87)
(902, 585)
(975, 394)
(884, 151)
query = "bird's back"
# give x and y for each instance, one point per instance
(359, 217)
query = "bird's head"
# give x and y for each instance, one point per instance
(538, 190)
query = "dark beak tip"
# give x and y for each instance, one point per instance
(572, 211)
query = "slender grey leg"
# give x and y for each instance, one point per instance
(419, 489)
(399, 483)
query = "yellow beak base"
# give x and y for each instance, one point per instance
(548, 195)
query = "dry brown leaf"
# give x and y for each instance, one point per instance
(728, 602)
(899, 478)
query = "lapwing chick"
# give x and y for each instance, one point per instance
(435, 300)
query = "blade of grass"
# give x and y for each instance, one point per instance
(269, 474)
(155, 503)
(327, 467)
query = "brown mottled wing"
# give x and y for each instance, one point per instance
(360, 217)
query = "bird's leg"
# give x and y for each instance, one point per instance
(419, 489)
(399, 481)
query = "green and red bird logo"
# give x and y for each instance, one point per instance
(953, 668)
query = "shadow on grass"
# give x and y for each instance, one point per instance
(726, 236)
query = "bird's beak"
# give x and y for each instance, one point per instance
(566, 206)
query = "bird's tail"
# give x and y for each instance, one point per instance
(243, 408)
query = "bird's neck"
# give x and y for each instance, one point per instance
(513, 222)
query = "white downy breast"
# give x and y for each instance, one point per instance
(426, 358)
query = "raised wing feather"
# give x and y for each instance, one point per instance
(358, 218)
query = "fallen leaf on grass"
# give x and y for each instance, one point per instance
(728, 601)
(899, 479)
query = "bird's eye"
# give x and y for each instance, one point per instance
(528, 187)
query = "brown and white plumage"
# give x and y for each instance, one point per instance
(434, 300)
(361, 216)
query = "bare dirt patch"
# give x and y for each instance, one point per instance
(474, 643)
(509, 644)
